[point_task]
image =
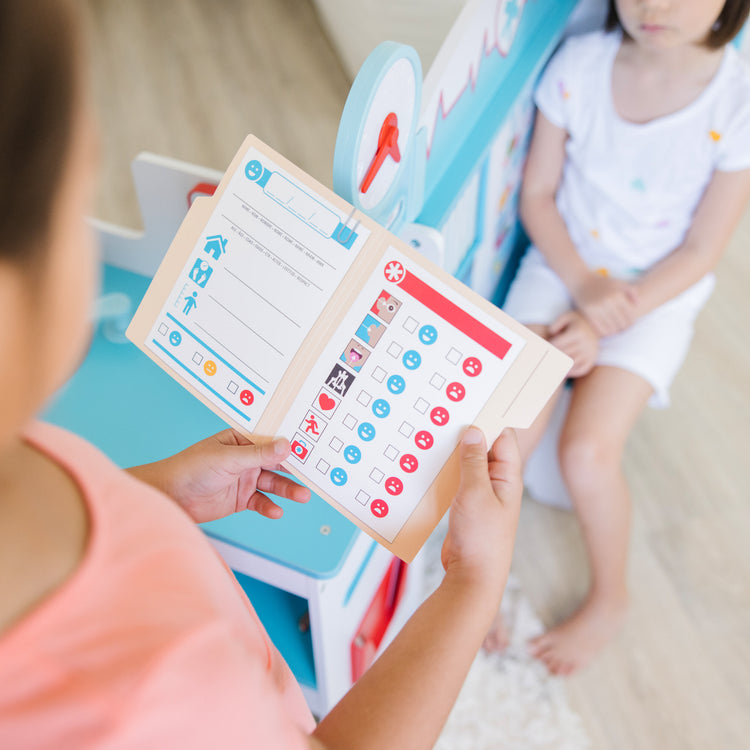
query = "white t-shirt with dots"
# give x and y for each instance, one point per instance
(628, 190)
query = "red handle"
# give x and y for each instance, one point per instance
(387, 145)
(201, 188)
(379, 614)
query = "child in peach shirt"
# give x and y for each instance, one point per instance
(119, 625)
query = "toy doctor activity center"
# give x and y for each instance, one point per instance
(438, 161)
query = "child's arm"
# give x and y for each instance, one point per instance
(714, 222)
(405, 697)
(608, 303)
(224, 474)
(403, 700)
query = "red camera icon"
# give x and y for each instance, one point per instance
(300, 448)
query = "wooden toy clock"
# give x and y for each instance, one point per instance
(379, 160)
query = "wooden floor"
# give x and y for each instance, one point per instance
(189, 78)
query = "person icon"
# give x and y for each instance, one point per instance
(311, 425)
(190, 303)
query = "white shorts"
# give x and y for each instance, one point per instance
(654, 347)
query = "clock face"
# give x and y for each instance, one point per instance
(374, 157)
(395, 95)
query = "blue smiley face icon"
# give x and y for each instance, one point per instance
(366, 431)
(428, 334)
(381, 408)
(338, 476)
(412, 360)
(396, 384)
(175, 338)
(352, 454)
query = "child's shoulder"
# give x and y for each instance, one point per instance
(43, 511)
(730, 103)
(583, 48)
(577, 64)
(736, 74)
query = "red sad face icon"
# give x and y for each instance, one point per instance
(455, 391)
(439, 416)
(394, 486)
(247, 397)
(409, 463)
(424, 440)
(472, 366)
(379, 508)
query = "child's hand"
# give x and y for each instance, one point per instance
(608, 303)
(224, 474)
(572, 334)
(483, 517)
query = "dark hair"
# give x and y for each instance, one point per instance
(728, 24)
(38, 89)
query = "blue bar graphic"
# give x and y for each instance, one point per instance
(218, 356)
(202, 382)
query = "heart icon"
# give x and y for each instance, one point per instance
(326, 402)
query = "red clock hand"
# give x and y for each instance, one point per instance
(387, 145)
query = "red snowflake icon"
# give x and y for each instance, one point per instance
(394, 271)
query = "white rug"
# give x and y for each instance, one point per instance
(509, 701)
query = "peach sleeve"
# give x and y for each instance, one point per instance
(206, 691)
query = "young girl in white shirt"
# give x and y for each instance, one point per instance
(637, 175)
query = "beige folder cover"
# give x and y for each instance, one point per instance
(287, 312)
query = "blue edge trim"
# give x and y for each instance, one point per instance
(360, 572)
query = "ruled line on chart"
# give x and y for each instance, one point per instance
(256, 292)
(252, 330)
(209, 335)
(301, 244)
(268, 250)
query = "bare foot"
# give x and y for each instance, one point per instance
(497, 638)
(572, 644)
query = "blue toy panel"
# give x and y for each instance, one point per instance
(461, 139)
(135, 413)
(473, 172)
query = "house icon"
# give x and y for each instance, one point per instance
(215, 246)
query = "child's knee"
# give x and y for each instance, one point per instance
(585, 456)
